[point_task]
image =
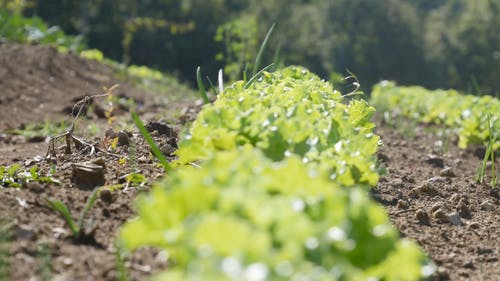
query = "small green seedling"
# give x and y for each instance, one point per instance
(5, 238)
(201, 87)
(258, 58)
(82, 230)
(489, 155)
(121, 254)
(15, 176)
(154, 147)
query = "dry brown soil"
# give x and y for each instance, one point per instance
(444, 210)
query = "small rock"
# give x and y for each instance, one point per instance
(99, 161)
(443, 273)
(402, 204)
(25, 232)
(473, 225)
(468, 264)
(454, 219)
(106, 196)
(110, 133)
(143, 160)
(447, 172)
(424, 188)
(87, 175)
(167, 149)
(487, 206)
(435, 160)
(123, 139)
(422, 217)
(440, 216)
(396, 183)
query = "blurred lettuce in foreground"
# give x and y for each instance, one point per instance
(243, 217)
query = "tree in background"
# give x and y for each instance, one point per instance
(463, 44)
(442, 43)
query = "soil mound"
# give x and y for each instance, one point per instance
(38, 82)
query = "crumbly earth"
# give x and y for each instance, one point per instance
(431, 195)
(429, 191)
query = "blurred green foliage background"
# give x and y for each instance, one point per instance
(440, 43)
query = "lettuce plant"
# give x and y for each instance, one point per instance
(289, 112)
(242, 216)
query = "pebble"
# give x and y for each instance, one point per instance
(473, 225)
(443, 273)
(487, 206)
(167, 149)
(447, 172)
(454, 219)
(143, 160)
(422, 217)
(468, 264)
(435, 160)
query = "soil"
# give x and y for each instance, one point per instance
(429, 192)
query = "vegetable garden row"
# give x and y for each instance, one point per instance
(280, 192)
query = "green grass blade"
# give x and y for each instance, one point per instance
(201, 87)
(154, 147)
(258, 58)
(256, 76)
(213, 89)
(61, 208)
(90, 202)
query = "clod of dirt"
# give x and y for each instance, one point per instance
(463, 208)
(161, 127)
(396, 183)
(424, 188)
(33, 186)
(402, 204)
(106, 196)
(87, 175)
(440, 216)
(422, 217)
(110, 133)
(436, 207)
(487, 206)
(447, 172)
(123, 138)
(435, 160)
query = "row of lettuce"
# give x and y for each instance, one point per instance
(281, 192)
(476, 119)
